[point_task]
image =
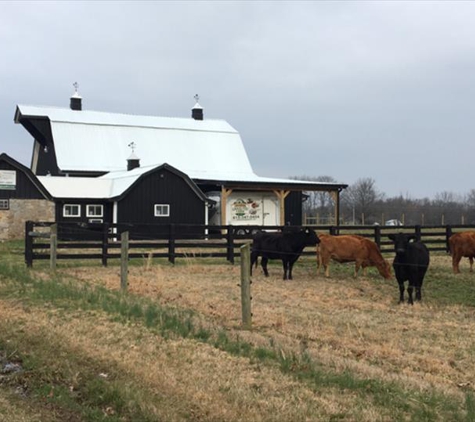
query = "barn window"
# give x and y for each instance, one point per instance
(4, 204)
(71, 210)
(94, 210)
(162, 210)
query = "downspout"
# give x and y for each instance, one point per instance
(114, 217)
(206, 218)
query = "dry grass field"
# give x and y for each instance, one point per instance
(336, 349)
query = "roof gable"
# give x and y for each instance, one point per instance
(28, 173)
(114, 185)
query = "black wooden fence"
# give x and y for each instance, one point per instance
(102, 241)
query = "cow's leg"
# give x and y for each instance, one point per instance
(285, 264)
(401, 291)
(357, 267)
(291, 266)
(326, 265)
(470, 258)
(419, 292)
(254, 258)
(264, 260)
(410, 289)
(325, 261)
(455, 263)
(418, 283)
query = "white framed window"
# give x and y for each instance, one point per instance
(162, 210)
(94, 210)
(4, 204)
(71, 210)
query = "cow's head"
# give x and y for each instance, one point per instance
(384, 269)
(401, 240)
(311, 238)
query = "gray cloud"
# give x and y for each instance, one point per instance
(347, 89)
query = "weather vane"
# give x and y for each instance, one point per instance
(132, 146)
(197, 97)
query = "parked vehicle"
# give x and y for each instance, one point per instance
(393, 222)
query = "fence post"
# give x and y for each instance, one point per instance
(417, 232)
(28, 244)
(377, 236)
(171, 244)
(124, 260)
(105, 244)
(448, 233)
(53, 246)
(246, 285)
(230, 244)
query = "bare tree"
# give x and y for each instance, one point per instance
(318, 203)
(361, 199)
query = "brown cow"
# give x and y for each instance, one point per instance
(351, 248)
(462, 245)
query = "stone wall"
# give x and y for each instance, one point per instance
(12, 221)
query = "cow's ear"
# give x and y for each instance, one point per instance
(411, 237)
(391, 236)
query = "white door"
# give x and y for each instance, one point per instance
(271, 210)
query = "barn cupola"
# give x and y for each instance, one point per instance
(197, 110)
(133, 161)
(76, 99)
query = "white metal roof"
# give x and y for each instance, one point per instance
(115, 183)
(98, 141)
(77, 187)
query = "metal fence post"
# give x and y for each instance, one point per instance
(53, 246)
(171, 244)
(230, 244)
(124, 259)
(29, 244)
(105, 243)
(246, 285)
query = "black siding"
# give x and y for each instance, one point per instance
(161, 187)
(40, 129)
(71, 228)
(293, 209)
(24, 189)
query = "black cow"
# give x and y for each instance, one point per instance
(286, 246)
(410, 264)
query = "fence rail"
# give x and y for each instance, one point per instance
(103, 241)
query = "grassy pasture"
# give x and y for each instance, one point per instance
(172, 348)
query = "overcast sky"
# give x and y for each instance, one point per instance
(346, 89)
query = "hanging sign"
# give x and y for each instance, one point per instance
(7, 179)
(245, 210)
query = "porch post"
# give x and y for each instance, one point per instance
(282, 194)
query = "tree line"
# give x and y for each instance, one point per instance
(362, 203)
